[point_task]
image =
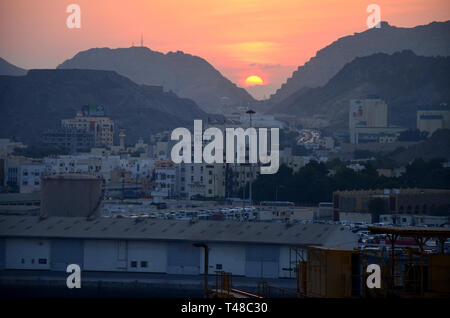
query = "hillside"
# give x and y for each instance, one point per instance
(426, 40)
(32, 103)
(187, 75)
(437, 146)
(7, 68)
(404, 80)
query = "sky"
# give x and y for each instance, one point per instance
(266, 38)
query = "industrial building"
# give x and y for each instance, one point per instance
(368, 121)
(432, 118)
(396, 201)
(251, 249)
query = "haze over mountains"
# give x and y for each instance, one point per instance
(403, 79)
(32, 103)
(318, 93)
(428, 40)
(187, 75)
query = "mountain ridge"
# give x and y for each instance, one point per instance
(187, 75)
(40, 99)
(432, 39)
(404, 80)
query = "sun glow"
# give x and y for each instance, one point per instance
(254, 80)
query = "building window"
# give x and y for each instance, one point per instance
(144, 264)
(23, 261)
(134, 264)
(218, 266)
(42, 261)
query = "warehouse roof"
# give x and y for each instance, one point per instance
(151, 229)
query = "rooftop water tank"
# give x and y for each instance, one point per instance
(71, 195)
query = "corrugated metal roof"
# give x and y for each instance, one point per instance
(151, 229)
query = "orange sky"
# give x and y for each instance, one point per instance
(268, 38)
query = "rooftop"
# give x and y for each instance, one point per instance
(155, 229)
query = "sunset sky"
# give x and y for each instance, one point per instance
(240, 38)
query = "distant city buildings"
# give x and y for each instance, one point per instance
(23, 174)
(391, 201)
(7, 146)
(91, 119)
(74, 140)
(368, 121)
(432, 118)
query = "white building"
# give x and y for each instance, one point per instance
(24, 173)
(252, 249)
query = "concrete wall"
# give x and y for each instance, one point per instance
(27, 253)
(355, 217)
(105, 255)
(183, 258)
(148, 256)
(226, 257)
(64, 252)
(261, 260)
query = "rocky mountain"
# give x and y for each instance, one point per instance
(187, 75)
(426, 40)
(32, 103)
(7, 68)
(404, 80)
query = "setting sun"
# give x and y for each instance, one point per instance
(254, 80)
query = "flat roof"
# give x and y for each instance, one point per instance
(150, 229)
(412, 231)
(19, 197)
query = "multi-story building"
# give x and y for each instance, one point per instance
(94, 122)
(203, 180)
(74, 140)
(102, 166)
(166, 180)
(24, 173)
(432, 118)
(368, 121)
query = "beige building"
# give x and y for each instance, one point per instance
(202, 180)
(432, 118)
(102, 127)
(369, 112)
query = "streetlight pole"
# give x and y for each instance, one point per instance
(250, 113)
(206, 266)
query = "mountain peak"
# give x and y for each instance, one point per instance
(425, 40)
(187, 75)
